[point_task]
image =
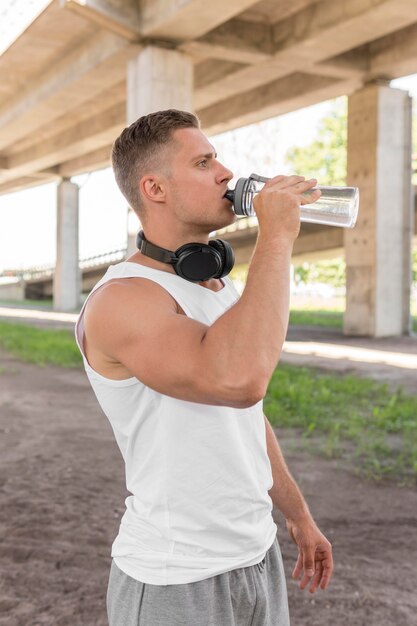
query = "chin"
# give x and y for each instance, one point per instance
(227, 219)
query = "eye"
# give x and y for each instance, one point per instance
(202, 163)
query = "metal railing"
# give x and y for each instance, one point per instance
(46, 271)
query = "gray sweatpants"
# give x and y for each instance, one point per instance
(248, 596)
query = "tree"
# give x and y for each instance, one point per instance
(326, 157)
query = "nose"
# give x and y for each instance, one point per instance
(224, 174)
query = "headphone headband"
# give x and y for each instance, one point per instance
(155, 252)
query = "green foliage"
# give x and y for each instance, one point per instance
(326, 157)
(358, 418)
(40, 346)
(330, 272)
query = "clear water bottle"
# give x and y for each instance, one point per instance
(337, 206)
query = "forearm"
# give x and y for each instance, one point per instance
(285, 494)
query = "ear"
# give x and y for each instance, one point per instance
(152, 188)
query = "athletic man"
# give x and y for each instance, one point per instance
(180, 365)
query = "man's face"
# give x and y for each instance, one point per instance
(198, 182)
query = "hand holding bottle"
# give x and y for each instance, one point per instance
(336, 206)
(277, 205)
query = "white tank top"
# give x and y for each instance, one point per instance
(199, 475)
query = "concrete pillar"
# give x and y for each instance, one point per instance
(67, 277)
(158, 78)
(378, 249)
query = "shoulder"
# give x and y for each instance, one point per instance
(128, 291)
(119, 300)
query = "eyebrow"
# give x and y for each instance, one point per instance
(209, 155)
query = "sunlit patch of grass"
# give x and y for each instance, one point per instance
(378, 427)
(39, 345)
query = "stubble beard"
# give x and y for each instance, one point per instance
(203, 223)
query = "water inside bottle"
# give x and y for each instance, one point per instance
(337, 206)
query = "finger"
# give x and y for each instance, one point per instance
(305, 580)
(327, 571)
(281, 182)
(276, 179)
(298, 567)
(309, 198)
(308, 561)
(308, 567)
(303, 186)
(317, 577)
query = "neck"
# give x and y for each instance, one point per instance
(172, 240)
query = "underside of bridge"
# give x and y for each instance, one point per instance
(81, 70)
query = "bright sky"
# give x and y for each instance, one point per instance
(28, 218)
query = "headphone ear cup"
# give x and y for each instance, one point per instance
(227, 255)
(198, 262)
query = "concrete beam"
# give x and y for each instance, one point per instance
(120, 17)
(316, 238)
(236, 40)
(320, 31)
(212, 70)
(179, 20)
(70, 82)
(202, 50)
(23, 182)
(85, 111)
(394, 55)
(98, 132)
(274, 10)
(47, 174)
(92, 134)
(351, 64)
(91, 162)
(330, 27)
(279, 97)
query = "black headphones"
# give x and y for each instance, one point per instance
(193, 261)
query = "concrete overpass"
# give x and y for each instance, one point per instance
(81, 70)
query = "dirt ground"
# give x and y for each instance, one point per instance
(62, 495)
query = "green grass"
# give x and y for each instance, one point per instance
(40, 346)
(316, 318)
(350, 416)
(330, 318)
(44, 304)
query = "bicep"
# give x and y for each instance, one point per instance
(140, 327)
